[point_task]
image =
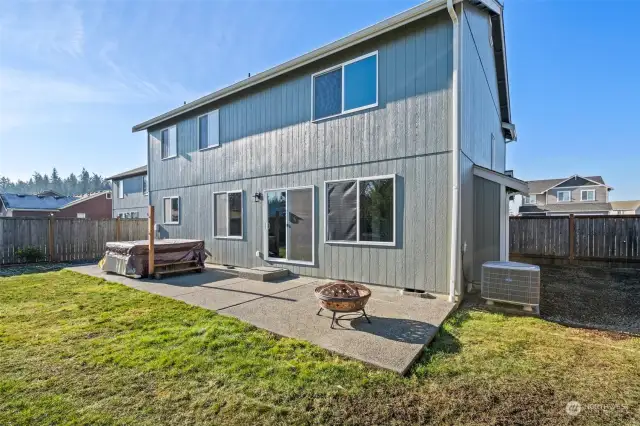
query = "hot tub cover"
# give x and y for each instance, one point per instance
(131, 258)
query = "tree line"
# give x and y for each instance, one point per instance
(71, 185)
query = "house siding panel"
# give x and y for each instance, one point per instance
(268, 141)
(552, 197)
(480, 117)
(132, 202)
(486, 215)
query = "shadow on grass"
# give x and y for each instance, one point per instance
(444, 343)
(38, 268)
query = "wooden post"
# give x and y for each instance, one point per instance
(572, 237)
(152, 248)
(52, 244)
(118, 228)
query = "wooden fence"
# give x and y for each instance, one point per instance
(614, 238)
(65, 239)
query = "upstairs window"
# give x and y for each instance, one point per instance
(171, 210)
(209, 130)
(120, 185)
(588, 195)
(227, 214)
(168, 142)
(347, 87)
(564, 196)
(145, 185)
(530, 199)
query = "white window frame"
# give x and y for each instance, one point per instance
(313, 224)
(145, 191)
(120, 184)
(358, 242)
(109, 196)
(229, 237)
(593, 191)
(341, 66)
(164, 219)
(217, 112)
(527, 199)
(563, 201)
(81, 215)
(168, 129)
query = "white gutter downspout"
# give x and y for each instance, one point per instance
(455, 190)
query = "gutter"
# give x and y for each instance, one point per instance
(455, 188)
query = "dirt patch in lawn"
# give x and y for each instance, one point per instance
(594, 297)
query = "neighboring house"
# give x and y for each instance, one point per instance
(625, 207)
(378, 158)
(90, 206)
(130, 193)
(564, 196)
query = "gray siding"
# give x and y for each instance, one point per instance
(466, 216)
(268, 141)
(486, 217)
(132, 202)
(552, 197)
(420, 259)
(480, 116)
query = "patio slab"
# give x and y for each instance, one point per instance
(400, 326)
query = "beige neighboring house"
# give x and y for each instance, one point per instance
(563, 196)
(625, 207)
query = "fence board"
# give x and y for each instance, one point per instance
(74, 239)
(607, 238)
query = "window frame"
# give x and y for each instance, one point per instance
(120, 189)
(168, 129)
(109, 195)
(164, 219)
(558, 196)
(145, 187)
(229, 237)
(208, 147)
(341, 66)
(527, 199)
(313, 224)
(359, 242)
(582, 191)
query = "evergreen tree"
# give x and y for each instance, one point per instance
(45, 182)
(85, 181)
(71, 185)
(56, 182)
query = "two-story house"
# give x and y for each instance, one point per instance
(563, 196)
(130, 193)
(378, 158)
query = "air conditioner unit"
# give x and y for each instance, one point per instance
(511, 282)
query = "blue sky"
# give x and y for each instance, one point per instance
(75, 77)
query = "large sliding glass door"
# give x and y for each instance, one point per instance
(290, 224)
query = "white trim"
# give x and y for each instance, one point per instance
(341, 66)
(288, 236)
(526, 200)
(593, 191)
(109, 195)
(120, 188)
(501, 178)
(229, 237)
(358, 242)
(575, 176)
(168, 129)
(208, 114)
(145, 177)
(164, 219)
(558, 192)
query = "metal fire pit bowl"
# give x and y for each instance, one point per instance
(343, 297)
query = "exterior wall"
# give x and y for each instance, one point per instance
(134, 201)
(31, 213)
(420, 259)
(480, 110)
(552, 197)
(94, 208)
(268, 141)
(486, 216)
(466, 217)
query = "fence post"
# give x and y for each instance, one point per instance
(572, 237)
(152, 247)
(52, 243)
(117, 228)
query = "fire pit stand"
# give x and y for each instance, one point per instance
(342, 297)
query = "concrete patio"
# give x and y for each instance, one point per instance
(400, 325)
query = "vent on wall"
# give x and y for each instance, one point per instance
(511, 282)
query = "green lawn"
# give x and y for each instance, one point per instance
(79, 350)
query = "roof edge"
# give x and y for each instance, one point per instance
(389, 24)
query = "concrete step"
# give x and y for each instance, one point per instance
(263, 273)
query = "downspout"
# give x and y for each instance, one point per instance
(455, 189)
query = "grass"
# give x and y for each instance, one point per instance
(80, 350)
